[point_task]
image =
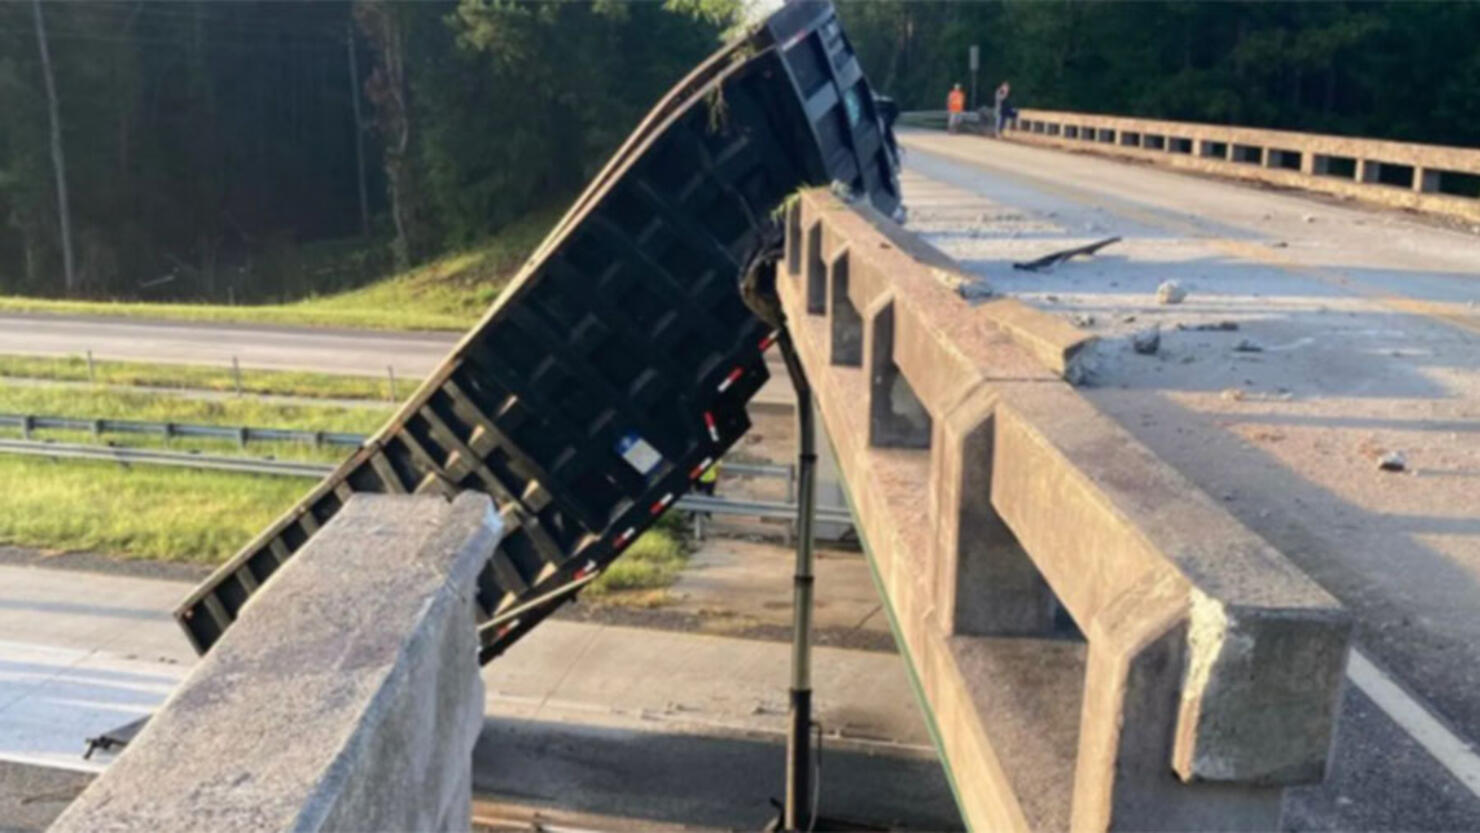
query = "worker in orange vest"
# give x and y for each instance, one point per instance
(955, 107)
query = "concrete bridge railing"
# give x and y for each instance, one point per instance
(1201, 673)
(1435, 178)
(346, 697)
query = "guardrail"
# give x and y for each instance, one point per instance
(784, 510)
(1436, 178)
(1202, 671)
(242, 434)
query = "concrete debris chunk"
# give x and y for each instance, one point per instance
(1248, 345)
(1147, 342)
(1170, 292)
(1083, 319)
(1233, 394)
(1392, 461)
(1216, 326)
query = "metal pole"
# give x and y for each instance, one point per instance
(798, 812)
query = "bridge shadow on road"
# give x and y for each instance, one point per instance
(704, 780)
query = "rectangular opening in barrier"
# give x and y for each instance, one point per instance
(1130, 139)
(816, 272)
(794, 239)
(1455, 183)
(1152, 141)
(1181, 145)
(1071, 132)
(1086, 133)
(1106, 135)
(1387, 173)
(1038, 126)
(897, 417)
(995, 588)
(1213, 150)
(1248, 154)
(1053, 129)
(1344, 167)
(847, 324)
(1280, 158)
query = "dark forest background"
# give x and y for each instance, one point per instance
(213, 148)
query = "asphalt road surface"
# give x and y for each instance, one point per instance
(413, 355)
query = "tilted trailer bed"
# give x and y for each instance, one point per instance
(617, 365)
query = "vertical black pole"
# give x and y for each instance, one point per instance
(798, 812)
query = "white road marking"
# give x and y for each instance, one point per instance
(1447, 748)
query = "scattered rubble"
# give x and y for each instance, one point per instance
(1216, 326)
(1147, 342)
(1248, 345)
(1392, 461)
(1309, 218)
(1233, 394)
(1083, 319)
(1279, 244)
(1170, 292)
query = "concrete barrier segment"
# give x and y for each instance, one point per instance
(1212, 667)
(345, 698)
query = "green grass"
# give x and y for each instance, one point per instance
(653, 562)
(199, 377)
(449, 293)
(140, 512)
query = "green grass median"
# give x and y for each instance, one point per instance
(449, 293)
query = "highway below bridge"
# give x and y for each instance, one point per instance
(1315, 338)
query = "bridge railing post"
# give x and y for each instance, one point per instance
(1200, 673)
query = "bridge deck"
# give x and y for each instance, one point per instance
(1367, 325)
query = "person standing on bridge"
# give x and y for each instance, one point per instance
(1003, 110)
(955, 107)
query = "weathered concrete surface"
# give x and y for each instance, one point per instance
(1252, 153)
(347, 696)
(1212, 668)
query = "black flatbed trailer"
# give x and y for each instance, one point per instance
(617, 365)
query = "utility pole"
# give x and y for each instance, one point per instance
(974, 58)
(354, 98)
(58, 164)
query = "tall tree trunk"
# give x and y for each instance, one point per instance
(388, 92)
(354, 97)
(58, 164)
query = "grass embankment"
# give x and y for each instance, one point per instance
(449, 293)
(200, 377)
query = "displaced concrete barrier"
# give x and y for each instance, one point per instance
(1201, 672)
(346, 697)
(1435, 178)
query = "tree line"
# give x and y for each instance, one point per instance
(256, 150)
(263, 150)
(1379, 68)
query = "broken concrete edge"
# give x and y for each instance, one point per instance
(1055, 343)
(347, 696)
(1266, 646)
